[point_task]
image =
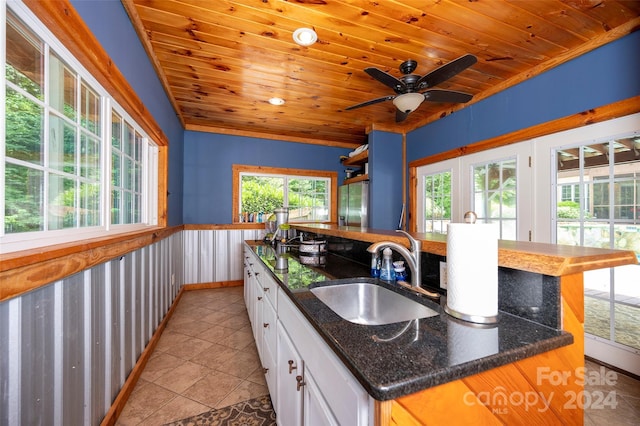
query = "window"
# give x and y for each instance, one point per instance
(258, 191)
(56, 154)
(488, 183)
(437, 202)
(494, 200)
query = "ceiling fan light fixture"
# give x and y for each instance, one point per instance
(408, 102)
(276, 101)
(305, 36)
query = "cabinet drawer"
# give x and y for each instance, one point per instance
(270, 288)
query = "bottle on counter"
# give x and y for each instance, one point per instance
(386, 269)
(399, 269)
(375, 265)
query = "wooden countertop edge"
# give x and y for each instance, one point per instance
(541, 258)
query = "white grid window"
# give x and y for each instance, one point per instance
(73, 162)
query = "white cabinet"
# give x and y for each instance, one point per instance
(308, 384)
(290, 371)
(329, 387)
(316, 410)
(262, 315)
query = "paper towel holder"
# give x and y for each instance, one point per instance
(471, 217)
(478, 319)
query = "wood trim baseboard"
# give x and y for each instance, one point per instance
(218, 284)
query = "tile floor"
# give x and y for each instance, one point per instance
(206, 358)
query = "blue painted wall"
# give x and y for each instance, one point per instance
(608, 74)
(109, 22)
(200, 163)
(385, 187)
(209, 157)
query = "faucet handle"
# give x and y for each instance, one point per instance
(415, 244)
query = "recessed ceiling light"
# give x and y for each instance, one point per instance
(305, 36)
(276, 101)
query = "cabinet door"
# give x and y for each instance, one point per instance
(288, 366)
(316, 409)
(259, 301)
(269, 342)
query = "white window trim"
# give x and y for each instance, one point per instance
(30, 240)
(462, 183)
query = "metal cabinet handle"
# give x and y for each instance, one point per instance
(249, 273)
(259, 297)
(266, 289)
(257, 273)
(265, 324)
(299, 383)
(265, 370)
(291, 366)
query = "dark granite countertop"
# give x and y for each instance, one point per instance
(407, 357)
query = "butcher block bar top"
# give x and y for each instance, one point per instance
(548, 259)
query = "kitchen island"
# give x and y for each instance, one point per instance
(520, 371)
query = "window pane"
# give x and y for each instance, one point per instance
(62, 212)
(24, 64)
(116, 201)
(89, 204)
(495, 195)
(308, 199)
(24, 123)
(90, 158)
(62, 88)
(90, 110)
(115, 170)
(261, 194)
(116, 131)
(128, 208)
(62, 145)
(23, 199)
(437, 214)
(128, 140)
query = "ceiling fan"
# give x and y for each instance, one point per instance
(408, 88)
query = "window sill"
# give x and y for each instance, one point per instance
(26, 270)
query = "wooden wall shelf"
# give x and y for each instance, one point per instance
(358, 178)
(357, 160)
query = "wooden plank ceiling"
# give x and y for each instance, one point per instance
(221, 60)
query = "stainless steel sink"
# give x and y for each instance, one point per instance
(360, 301)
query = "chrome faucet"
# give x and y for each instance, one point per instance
(412, 257)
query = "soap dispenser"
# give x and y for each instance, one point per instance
(386, 270)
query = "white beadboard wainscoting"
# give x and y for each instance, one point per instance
(67, 348)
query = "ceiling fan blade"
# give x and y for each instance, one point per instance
(371, 102)
(437, 95)
(386, 79)
(446, 71)
(401, 115)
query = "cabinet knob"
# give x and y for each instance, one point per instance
(259, 297)
(299, 383)
(266, 289)
(265, 324)
(265, 370)
(249, 273)
(257, 273)
(291, 366)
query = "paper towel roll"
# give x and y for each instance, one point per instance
(472, 271)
